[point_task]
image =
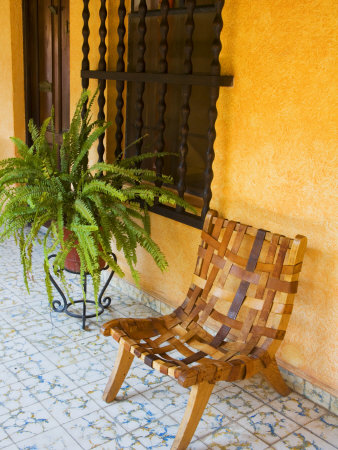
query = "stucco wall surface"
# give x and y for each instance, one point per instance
(12, 107)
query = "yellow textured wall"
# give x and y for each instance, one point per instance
(12, 106)
(276, 153)
(275, 159)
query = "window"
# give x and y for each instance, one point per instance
(172, 80)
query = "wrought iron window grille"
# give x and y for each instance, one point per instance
(163, 79)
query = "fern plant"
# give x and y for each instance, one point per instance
(97, 204)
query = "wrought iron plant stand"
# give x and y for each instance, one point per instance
(64, 306)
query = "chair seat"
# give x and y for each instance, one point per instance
(161, 348)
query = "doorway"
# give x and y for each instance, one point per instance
(46, 53)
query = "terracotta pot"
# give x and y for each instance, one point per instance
(72, 262)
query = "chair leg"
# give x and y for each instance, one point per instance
(273, 376)
(120, 370)
(198, 399)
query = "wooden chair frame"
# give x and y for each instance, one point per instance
(244, 286)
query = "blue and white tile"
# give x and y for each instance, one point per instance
(14, 396)
(142, 378)
(334, 405)
(169, 397)
(9, 300)
(30, 366)
(326, 427)
(211, 421)
(8, 444)
(49, 384)
(67, 355)
(34, 324)
(317, 394)
(134, 413)
(4, 439)
(137, 310)
(267, 424)
(56, 439)
(297, 408)
(295, 382)
(233, 437)
(95, 391)
(303, 439)
(8, 332)
(6, 376)
(94, 429)
(75, 332)
(23, 424)
(125, 442)
(44, 340)
(86, 372)
(101, 347)
(159, 434)
(58, 319)
(234, 402)
(70, 405)
(16, 348)
(259, 388)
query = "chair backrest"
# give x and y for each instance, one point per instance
(244, 284)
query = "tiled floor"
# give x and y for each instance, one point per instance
(52, 375)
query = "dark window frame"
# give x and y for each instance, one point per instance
(140, 76)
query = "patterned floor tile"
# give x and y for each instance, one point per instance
(70, 405)
(169, 397)
(7, 443)
(134, 413)
(16, 348)
(35, 324)
(297, 408)
(75, 332)
(14, 396)
(211, 421)
(94, 429)
(9, 300)
(95, 390)
(8, 332)
(19, 317)
(234, 402)
(23, 424)
(86, 372)
(137, 310)
(101, 348)
(233, 437)
(197, 445)
(303, 439)
(159, 434)
(325, 427)
(6, 376)
(67, 355)
(259, 388)
(4, 439)
(58, 319)
(49, 384)
(267, 424)
(44, 340)
(142, 378)
(56, 439)
(30, 366)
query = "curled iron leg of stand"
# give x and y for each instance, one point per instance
(57, 305)
(106, 301)
(84, 312)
